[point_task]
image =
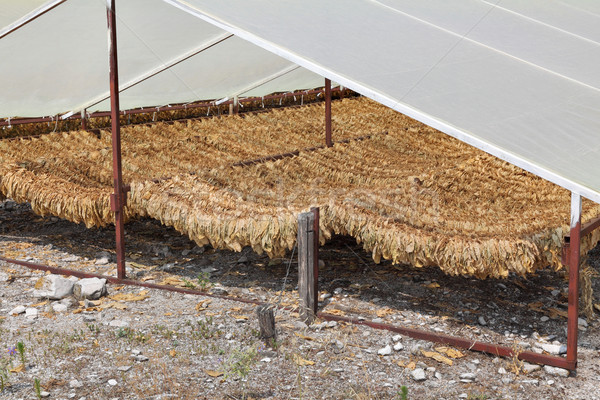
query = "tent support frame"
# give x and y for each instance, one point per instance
(119, 198)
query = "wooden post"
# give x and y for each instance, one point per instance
(308, 264)
(266, 322)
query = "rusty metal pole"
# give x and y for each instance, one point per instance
(574, 259)
(118, 198)
(328, 113)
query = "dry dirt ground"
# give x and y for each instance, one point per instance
(152, 344)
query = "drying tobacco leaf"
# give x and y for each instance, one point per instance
(437, 357)
(301, 361)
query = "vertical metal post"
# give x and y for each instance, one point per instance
(236, 105)
(574, 259)
(118, 198)
(328, 113)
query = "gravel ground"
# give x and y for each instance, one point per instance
(141, 343)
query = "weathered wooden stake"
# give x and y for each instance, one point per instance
(266, 322)
(308, 264)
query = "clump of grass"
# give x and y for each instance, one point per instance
(21, 350)
(204, 281)
(403, 393)
(38, 388)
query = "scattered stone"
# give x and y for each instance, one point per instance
(501, 371)
(332, 324)
(136, 352)
(418, 374)
(438, 376)
(140, 358)
(102, 261)
(321, 264)
(242, 259)
(582, 322)
(266, 360)
(53, 287)
(90, 288)
(386, 351)
(529, 368)
(467, 375)
(228, 336)
(112, 382)
(530, 381)
(117, 323)
(124, 368)
(31, 313)
(219, 291)
(398, 346)
(482, 321)
(463, 396)
(397, 338)
(507, 380)
(74, 384)
(550, 382)
(44, 394)
(556, 371)
(502, 286)
(550, 348)
(17, 310)
(555, 292)
(338, 290)
(544, 318)
(378, 320)
(59, 308)
(186, 252)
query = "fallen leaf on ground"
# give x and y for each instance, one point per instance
(301, 361)
(553, 313)
(172, 353)
(130, 296)
(597, 307)
(43, 303)
(537, 306)
(214, 374)
(301, 336)
(171, 280)
(20, 368)
(203, 305)
(411, 365)
(385, 312)
(437, 357)
(244, 317)
(449, 351)
(335, 311)
(433, 285)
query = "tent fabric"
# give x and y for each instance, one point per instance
(58, 63)
(515, 79)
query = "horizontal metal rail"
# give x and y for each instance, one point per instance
(502, 351)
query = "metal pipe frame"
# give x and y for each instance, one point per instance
(119, 197)
(328, 141)
(30, 17)
(148, 110)
(574, 260)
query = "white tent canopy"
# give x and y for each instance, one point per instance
(516, 79)
(58, 63)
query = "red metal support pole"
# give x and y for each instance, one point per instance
(574, 259)
(118, 198)
(328, 141)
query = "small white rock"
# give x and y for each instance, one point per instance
(544, 318)
(501, 371)
(418, 374)
(90, 288)
(124, 368)
(31, 313)
(582, 322)
(59, 307)
(44, 394)
(556, 371)
(117, 323)
(17, 310)
(550, 348)
(102, 261)
(112, 382)
(386, 351)
(482, 321)
(74, 384)
(397, 338)
(467, 375)
(266, 360)
(529, 368)
(53, 287)
(398, 346)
